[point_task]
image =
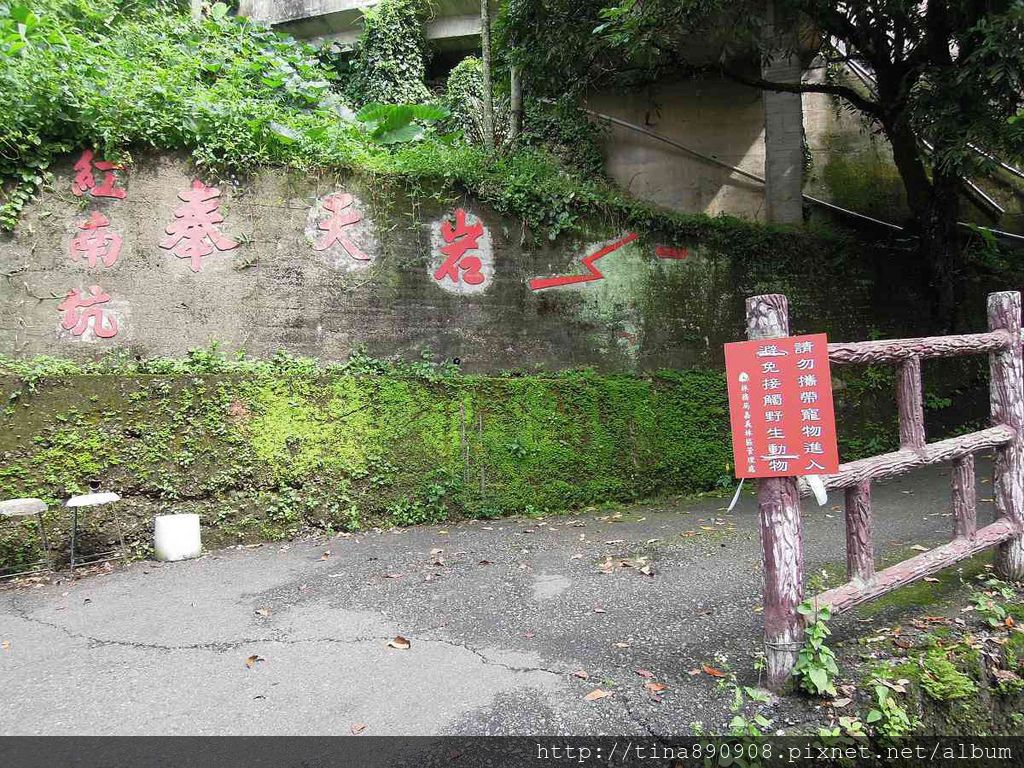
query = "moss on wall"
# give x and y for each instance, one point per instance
(866, 183)
(266, 455)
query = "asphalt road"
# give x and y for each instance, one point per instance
(499, 616)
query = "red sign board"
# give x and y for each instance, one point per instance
(780, 407)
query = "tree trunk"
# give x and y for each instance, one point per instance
(934, 205)
(485, 49)
(940, 238)
(515, 102)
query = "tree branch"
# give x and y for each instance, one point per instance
(864, 104)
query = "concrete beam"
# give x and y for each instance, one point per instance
(453, 21)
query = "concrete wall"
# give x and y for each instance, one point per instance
(726, 120)
(276, 291)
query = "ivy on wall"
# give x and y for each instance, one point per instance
(464, 91)
(390, 64)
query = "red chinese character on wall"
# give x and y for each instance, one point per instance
(342, 215)
(195, 234)
(85, 178)
(461, 238)
(94, 244)
(81, 311)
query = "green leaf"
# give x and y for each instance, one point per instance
(399, 135)
(819, 677)
(874, 716)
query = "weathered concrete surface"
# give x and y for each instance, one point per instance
(275, 292)
(452, 25)
(783, 121)
(497, 629)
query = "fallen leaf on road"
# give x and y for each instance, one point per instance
(597, 693)
(599, 609)
(693, 672)
(400, 643)
(577, 556)
(919, 548)
(713, 671)
(655, 687)
(930, 580)
(581, 674)
(253, 660)
(263, 612)
(838, 703)
(358, 728)
(644, 673)
(622, 645)
(6, 645)
(325, 555)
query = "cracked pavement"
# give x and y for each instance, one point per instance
(499, 621)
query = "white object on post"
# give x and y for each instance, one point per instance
(176, 537)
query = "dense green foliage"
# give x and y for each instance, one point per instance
(464, 91)
(390, 64)
(121, 76)
(285, 447)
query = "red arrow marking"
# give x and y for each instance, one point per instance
(540, 283)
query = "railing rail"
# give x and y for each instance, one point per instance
(779, 498)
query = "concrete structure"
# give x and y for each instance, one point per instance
(453, 25)
(783, 125)
(288, 286)
(763, 135)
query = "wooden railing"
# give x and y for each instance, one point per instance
(778, 498)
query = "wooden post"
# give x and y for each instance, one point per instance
(778, 501)
(1007, 405)
(860, 551)
(910, 398)
(965, 499)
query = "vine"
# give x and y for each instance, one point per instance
(390, 65)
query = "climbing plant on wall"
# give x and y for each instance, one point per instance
(463, 92)
(390, 65)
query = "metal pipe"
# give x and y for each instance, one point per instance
(869, 81)
(761, 180)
